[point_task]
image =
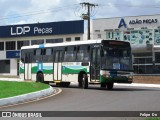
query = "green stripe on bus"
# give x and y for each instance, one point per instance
(34, 70)
(65, 70)
(70, 70)
(45, 71)
(21, 70)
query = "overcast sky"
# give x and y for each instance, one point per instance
(33, 11)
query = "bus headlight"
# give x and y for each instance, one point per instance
(130, 78)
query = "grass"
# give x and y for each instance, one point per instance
(153, 118)
(11, 88)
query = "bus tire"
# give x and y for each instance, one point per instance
(103, 85)
(110, 86)
(84, 81)
(40, 77)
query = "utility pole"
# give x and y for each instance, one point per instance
(87, 16)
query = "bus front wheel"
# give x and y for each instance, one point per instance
(110, 86)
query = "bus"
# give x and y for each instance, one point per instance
(103, 62)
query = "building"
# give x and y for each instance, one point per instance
(143, 32)
(13, 37)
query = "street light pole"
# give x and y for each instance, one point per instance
(87, 16)
(89, 37)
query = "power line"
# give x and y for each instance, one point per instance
(139, 6)
(32, 13)
(39, 12)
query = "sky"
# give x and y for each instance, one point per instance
(41, 11)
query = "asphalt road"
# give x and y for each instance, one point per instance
(96, 99)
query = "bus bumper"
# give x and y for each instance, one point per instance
(116, 79)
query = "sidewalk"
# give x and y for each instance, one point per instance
(10, 78)
(138, 85)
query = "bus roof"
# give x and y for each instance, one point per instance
(62, 44)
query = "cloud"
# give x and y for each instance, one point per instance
(33, 11)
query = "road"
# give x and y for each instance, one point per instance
(96, 99)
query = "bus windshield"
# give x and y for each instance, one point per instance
(117, 58)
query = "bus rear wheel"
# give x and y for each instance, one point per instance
(110, 86)
(84, 81)
(40, 78)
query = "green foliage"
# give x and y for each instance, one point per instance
(156, 118)
(10, 88)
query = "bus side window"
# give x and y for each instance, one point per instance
(38, 55)
(47, 55)
(70, 54)
(79, 53)
(83, 53)
(56, 57)
(23, 56)
(87, 53)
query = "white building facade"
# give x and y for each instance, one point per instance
(143, 33)
(13, 37)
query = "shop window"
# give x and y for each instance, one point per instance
(143, 69)
(37, 42)
(148, 60)
(157, 57)
(157, 36)
(1, 46)
(149, 69)
(77, 38)
(10, 45)
(58, 40)
(22, 43)
(68, 39)
(109, 35)
(113, 35)
(138, 36)
(157, 69)
(146, 54)
(142, 60)
(5, 66)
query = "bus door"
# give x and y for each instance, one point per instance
(95, 64)
(28, 66)
(58, 65)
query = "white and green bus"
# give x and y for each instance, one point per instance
(103, 62)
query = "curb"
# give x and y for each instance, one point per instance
(12, 79)
(26, 97)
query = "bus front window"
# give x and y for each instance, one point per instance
(116, 59)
